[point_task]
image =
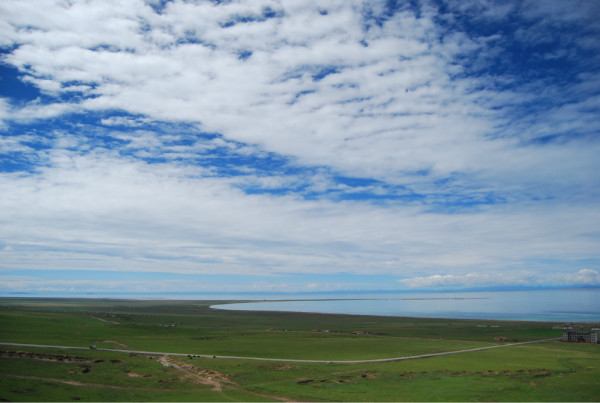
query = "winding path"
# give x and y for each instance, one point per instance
(412, 357)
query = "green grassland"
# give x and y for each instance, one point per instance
(550, 371)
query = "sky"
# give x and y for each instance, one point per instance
(298, 145)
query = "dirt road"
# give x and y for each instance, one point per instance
(412, 357)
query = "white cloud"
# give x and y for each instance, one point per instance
(124, 121)
(502, 278)
(467, 280)
(582, 277)
(396, 102)
(391, 108)
(196, 82)
(101, 211)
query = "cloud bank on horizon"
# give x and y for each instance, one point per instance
(298, 145)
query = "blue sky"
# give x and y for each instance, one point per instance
(235, 146)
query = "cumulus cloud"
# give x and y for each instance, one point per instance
(583, 277)
(310, 88)
(385, 101)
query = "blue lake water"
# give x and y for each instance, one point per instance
(574, 305)
(577, 305)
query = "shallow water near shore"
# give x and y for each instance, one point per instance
(576, 305)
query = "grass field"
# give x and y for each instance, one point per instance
(551, 371)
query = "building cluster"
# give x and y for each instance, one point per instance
(580, 337)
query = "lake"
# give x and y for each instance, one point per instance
(574, 305)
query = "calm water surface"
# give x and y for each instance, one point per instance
(576, 305)
(539, 305)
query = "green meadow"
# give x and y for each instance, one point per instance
(548, 371)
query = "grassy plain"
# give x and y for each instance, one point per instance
(551, 371)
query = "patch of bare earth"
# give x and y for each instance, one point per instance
(207, 376)
(195, 374)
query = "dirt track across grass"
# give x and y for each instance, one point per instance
(412, 357)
